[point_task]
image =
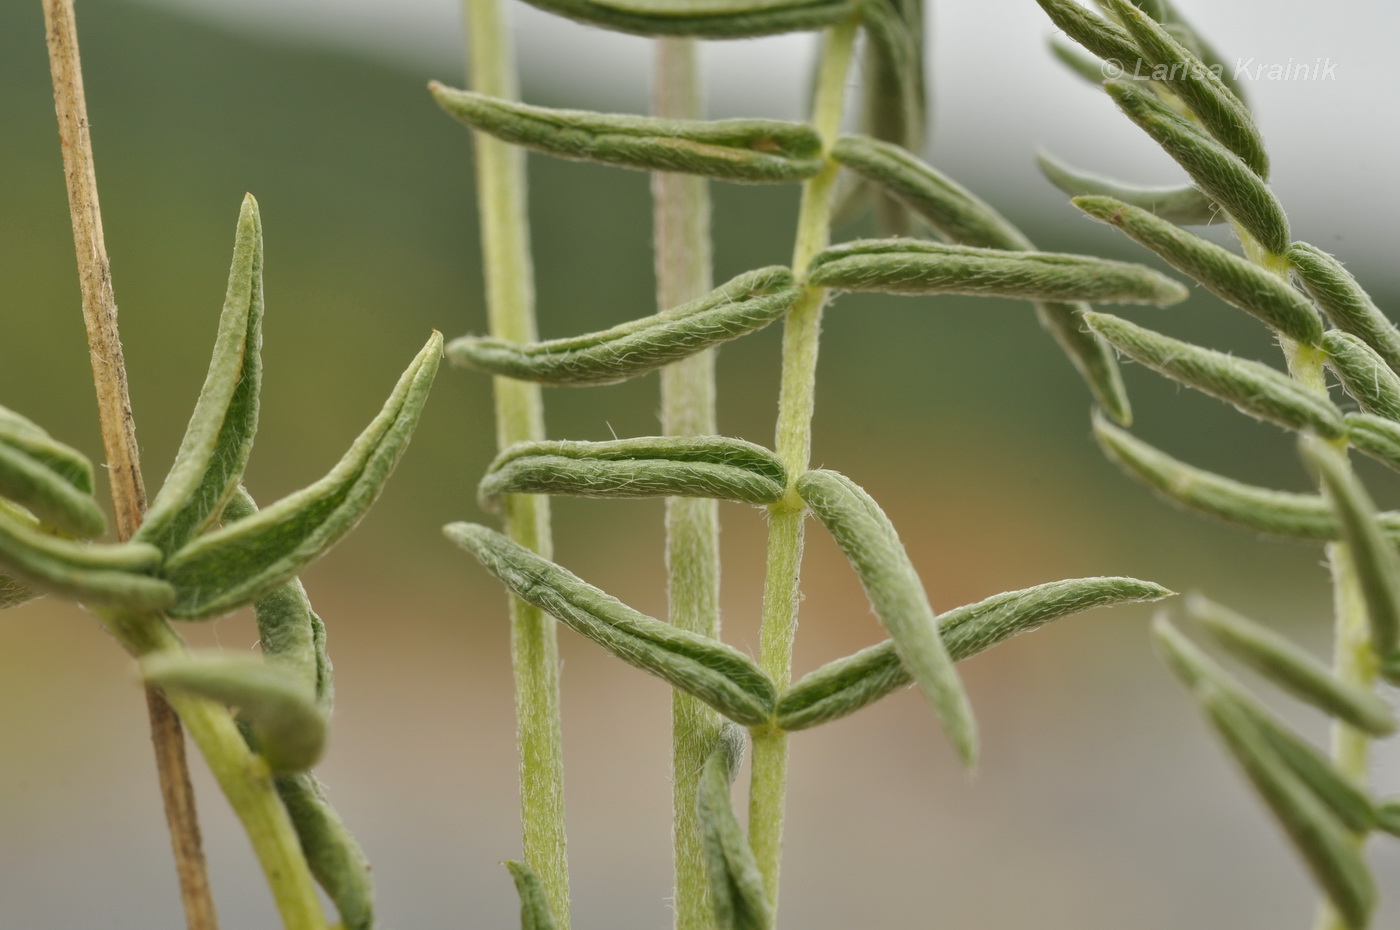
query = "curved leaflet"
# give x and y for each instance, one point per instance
(872, 546)
(717, 674)
(745, 304)
(239, 563)
(219, 439)
(842, 687)
(699, 466)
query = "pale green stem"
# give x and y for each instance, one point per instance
(505, 241)
(1355, 661)
(768, 789)
(681, 210)
(241, 773)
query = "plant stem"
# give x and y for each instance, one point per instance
(1355, 660)
(500, 184)
(242, 775)
(802, 328)
(681, 208)
(119, 432)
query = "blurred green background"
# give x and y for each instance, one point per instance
(1102, 802)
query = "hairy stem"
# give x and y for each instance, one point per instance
(768, 790)
(510, 302)
(1355, 661)
(119, 432)
(681, 209)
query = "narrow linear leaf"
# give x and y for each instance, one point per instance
(737, 891)
(670, 466)
(955, 212)
(49, 494)
(1325, 845)
(1292, 668)
(1363, 373)
(1279, 513)
(1216, 170)
(1105, 39)
(92, 573)
(1219, 111)
(534, 901)
(704, 19)
(1248, 386)
(743, 305)
(1340, 296)
(1343, 797)
(1088, 67)
(288, 727)
(1377, 562)
(1376, 436)
(842, 687)
(748, 150)
(335, 858)
(1388, 817)
(221, 571)
(24, 435)
(219, 439)
(1181, 30)
(1184, 204)
(872, 546)
(1228, 276)
(965, 219)
(913, 266)
(894, 87)
(719, 675)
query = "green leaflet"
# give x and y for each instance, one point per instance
(1216, 170)
(288, 728)
(1363, 373)
(873, 548)
(719, 675)
(1376, 436)
(335, 858)
(1249, 387)
(221, 571)
(1325, 844)
(737, 890)
(1279, 513)
(746, 150)
(52, 480)
(534, 902)
(963, 218)
(219, 438)
(1348, 306)
(1292, 668)
(1219, 111)
(1341, 795)
(1105, 39)
(1228, 276)
(893, 84)
(1184, 33)
(661, 466)
(1184, 205)
(288, 629)
(955, 212)
(1088, 67)
(747, 303)
(1388, 817)
(24, 435)
(1377, 562)
(704, 19)
(93, 573)
(913, 266)
(842, 687)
